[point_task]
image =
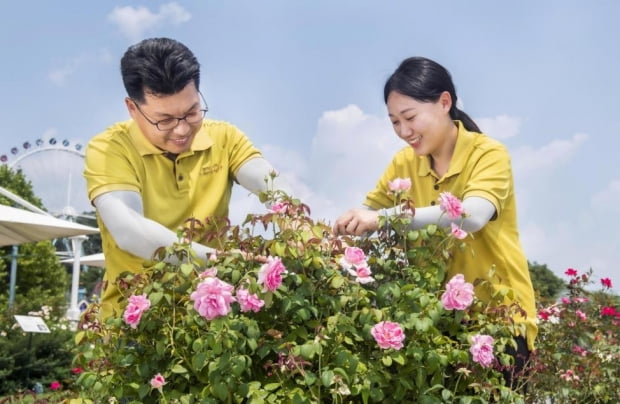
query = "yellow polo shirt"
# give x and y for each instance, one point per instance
(197, 185)
(480, 167)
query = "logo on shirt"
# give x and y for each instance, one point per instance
(213, 168)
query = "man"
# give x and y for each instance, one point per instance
(147, 175)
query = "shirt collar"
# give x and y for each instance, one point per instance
(202, 140)
(464, 140)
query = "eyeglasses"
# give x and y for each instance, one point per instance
(168, 124)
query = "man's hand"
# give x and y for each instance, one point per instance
(357, 222)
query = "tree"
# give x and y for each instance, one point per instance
(41, 279)
(546, 284)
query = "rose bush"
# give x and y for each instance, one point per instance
(286, 312)
(577, 359)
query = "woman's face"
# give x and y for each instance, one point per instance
(422, 125)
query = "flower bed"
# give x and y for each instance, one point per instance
(289, 313)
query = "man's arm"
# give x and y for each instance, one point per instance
(122, 214)
(255, 176)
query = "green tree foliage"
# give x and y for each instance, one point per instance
(41, 279)
(546, 284)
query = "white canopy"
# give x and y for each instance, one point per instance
(94, 260)
(18, 226)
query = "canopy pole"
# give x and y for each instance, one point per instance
(13, 279)
(73, 313)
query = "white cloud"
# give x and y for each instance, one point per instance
(607, 200)
(60, 74)
(500, 127)
(134, 22)
(527, 160)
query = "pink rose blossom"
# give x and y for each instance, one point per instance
(55, 385)
(457, 232)
(279, 208)
(137, 305)
(362, 274)
(608, 311)
(353, 256)
(158, 381)
(270, 274)
(208, 273)
(580, 299)
(579, 350)
(248, 302)
(388, 335)
(451, 205)
(213, 257)
(581, 315)
(565, 300)
(212, 298)
(571, 272)
(606, 282)
(399, 184)
(569, 376)
(458, 295)
(482, 349)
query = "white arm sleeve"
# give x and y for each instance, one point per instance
(122, 214)
(255, 176)
(479, 212)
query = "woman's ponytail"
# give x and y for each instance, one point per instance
(425, 80)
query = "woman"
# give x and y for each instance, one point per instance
(447, 153)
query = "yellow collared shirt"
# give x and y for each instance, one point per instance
(480, 167)
(198, 184)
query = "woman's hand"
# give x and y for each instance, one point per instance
(357, 222)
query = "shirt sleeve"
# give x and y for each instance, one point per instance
(491, 178)
(240, 149)
(107, 168)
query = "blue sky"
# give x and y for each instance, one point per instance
(303, 79)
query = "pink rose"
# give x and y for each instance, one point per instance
(208, 273)
(606, 282)
(458, 295)
(388, 335)
(565, 300)
(399, 184)
(362, 274)
(248, 302)
(213, 257)
(482, 349)
(158, 381)
(451, 205)
(581, 315)
(279, 208)
(55, 385)
(136, 306)
(212, 298)
(608, 311)
(353, 256)
(270, 274)
(457, 232)
(571, 272)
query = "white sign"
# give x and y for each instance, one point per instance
(32, 324)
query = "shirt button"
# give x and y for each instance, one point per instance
(180, 178)
(436, 187)
(432, 203)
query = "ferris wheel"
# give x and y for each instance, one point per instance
(54, 167)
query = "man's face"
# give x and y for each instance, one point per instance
(163, 110)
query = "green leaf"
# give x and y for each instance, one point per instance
(387, 360)
(327, 377)
(178, 369)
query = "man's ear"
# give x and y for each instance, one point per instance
(131, 107)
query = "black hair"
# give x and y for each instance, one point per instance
(425, 80)
(159, 66)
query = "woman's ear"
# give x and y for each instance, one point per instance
(445, 100)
